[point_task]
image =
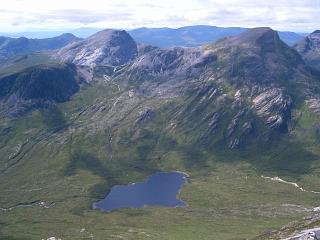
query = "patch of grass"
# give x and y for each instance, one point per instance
(53, 117)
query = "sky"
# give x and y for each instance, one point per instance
(38, 15)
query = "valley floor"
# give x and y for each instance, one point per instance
(226, 202)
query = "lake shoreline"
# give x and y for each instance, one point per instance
(161, 189)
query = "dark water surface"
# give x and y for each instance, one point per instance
(160, 189)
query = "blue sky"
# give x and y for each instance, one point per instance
(24, 15)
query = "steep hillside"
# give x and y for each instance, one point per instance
(38, 86)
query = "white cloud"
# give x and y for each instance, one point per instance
(295, 15)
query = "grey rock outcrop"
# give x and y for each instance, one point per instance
(171, 62)
(314, 104)
(275, 107)
(145, 115)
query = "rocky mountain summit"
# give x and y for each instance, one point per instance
(107, 47)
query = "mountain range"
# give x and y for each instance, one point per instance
(188, 36)
(192, 36)
(237, 114)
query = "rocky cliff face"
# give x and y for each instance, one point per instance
(275, 107)
(173, 62)
(309, 48)
(39, 86)
(108, 47)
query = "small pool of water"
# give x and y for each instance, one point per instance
(160, 189)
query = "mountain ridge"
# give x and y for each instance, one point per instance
(10, 47)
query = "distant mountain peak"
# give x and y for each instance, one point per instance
(316, 32)
(108, 33)
(67, 35)
(260, 36)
